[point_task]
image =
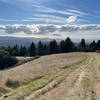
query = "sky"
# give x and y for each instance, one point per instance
(50, 18)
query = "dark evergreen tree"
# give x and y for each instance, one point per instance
(62, 47)
(23, 51)
(9, 49)
(82, 45)
(53, 47)
(69, 45)
(98, 45)
(32, 49)
(93, 46)
(15, 50)
(46, 49)
(40, 48)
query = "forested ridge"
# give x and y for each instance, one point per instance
(53, 47)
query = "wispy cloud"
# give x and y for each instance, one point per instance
(49, 15)
(49, 18)
(15, 20)
(64, 12)
(66, 16)
(80, 13)
(13, 1)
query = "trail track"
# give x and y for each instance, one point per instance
(82, 83)
(77, 82)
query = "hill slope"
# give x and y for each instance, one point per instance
(43, 73)
(83, 83)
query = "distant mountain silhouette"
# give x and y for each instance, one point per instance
(7, 40)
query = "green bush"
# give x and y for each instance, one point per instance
(6, 60)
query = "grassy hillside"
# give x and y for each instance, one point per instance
(43, 73)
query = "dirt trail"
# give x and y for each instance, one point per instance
(82, 83)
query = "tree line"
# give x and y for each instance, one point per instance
(53, 47)
(8, 54)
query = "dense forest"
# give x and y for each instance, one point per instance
(8, 54)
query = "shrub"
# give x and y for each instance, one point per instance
(97, 51)
(12, 84)
(6, 60)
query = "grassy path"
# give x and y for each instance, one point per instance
(81, 84)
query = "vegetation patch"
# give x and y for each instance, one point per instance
(6, 60)
(12, 84)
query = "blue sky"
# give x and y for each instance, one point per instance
(50, 18)
(49, 11)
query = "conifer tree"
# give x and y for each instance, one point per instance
(15, 50)
(40, 48)
(23, 51)
(98, 44)
(46, 49)
(93, 46)
(32, 49)
(82, 45)
(69, 46)
(62, 46)
(53, 47)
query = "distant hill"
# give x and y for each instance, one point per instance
(6, 40)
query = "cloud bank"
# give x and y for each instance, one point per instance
(46, 28)
(51, 30)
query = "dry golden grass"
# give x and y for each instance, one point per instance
(40, 67)
(45, 65)
(57, 75)
(67, 80)
(22, 59)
